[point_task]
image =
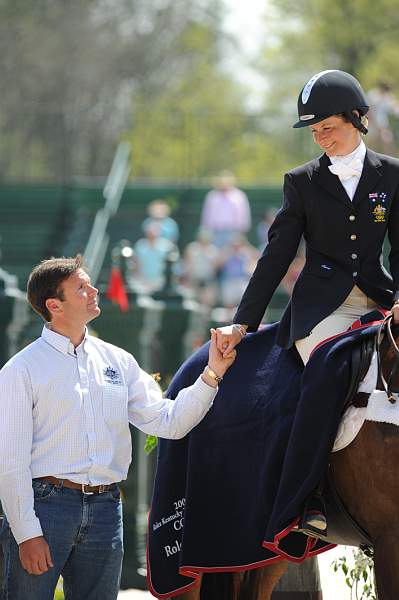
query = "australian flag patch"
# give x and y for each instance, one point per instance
(378, 197)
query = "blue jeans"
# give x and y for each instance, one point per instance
(84, 533)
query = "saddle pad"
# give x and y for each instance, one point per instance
(378, 409)
(353, 418)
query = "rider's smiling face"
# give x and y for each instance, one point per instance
(335, 136)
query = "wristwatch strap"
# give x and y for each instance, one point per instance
(213, 375)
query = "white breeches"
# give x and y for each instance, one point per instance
(354, 306)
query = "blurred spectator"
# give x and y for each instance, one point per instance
(226, 210)
(200, 261)
(150, 255)
(383, 106)
(236, 268)
(262, 228)
(159, 214)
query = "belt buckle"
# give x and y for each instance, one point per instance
(83, 485)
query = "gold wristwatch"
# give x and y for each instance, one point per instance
(213, 375)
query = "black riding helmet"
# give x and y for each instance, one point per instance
(331, 93)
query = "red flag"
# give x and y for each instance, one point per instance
(116, 289)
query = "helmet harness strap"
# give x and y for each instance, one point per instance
(356, 121)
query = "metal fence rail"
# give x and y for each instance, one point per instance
(98, 241)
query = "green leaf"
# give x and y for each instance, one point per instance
(151, 443)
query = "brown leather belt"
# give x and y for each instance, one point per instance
(83, 487)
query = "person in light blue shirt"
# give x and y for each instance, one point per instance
(66, 402)
(159, 214)
(150, 256)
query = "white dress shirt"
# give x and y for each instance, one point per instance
(65, 412)
(353, 161)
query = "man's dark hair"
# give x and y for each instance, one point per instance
(46, 279)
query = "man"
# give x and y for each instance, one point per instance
(66, 401)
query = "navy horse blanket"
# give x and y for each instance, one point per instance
(229, 496)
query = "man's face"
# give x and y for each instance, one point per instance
(80, 298)
(335, 136)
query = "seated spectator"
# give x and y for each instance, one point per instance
(200, 262)
(236, 268)
(226, 210)
(159, 214)
(150, 255)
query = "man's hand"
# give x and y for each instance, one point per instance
(217, 361)
(35, 556)
(227, 339)
(395, 312)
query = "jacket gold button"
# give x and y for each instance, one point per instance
(352, 217)
(354, 256)
(353, 236)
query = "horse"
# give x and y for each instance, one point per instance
(365, 478)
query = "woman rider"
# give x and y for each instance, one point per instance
(343, 204)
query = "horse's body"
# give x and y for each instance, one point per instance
(365, 475)
(366, 479)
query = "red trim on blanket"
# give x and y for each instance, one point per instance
(355, 325)
(195, 571)
(190, 570)
(310, 544)
(185, 588)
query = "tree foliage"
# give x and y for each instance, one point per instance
(79, 76)
(198, 125)
(69, 72)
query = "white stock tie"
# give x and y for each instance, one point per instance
(346, 171)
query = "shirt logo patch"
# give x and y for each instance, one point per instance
(112, 376)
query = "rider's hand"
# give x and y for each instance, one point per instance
(217, 362)
(395, 312)
(227, 338)
(35, 556)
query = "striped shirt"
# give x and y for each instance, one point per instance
(65, 412)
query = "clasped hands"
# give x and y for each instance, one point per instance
(227, 338)
(219, 360)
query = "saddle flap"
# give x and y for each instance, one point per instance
(342, 527)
